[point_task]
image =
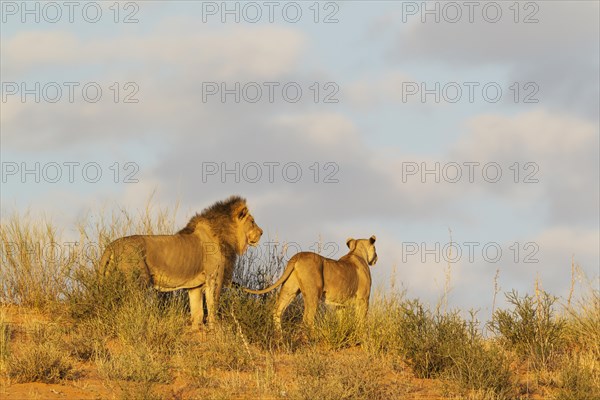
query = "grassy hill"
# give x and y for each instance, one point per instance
(65, 334)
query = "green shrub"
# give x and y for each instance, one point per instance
(530, 328)
(428, 340)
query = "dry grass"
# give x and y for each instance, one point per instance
(43, 359)
(354, 375)
(139, 342)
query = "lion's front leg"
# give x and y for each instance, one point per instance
(213, 291)
(196, 306)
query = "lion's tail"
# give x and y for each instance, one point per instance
(286, 274)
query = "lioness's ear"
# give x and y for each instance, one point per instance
(351, 243)
(372, 239)
(243, 212)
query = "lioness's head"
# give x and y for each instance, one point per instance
(364, 247)
(246, 230)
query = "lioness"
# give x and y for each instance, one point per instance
(316, 277)
(200, 257)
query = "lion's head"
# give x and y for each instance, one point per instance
(246, 230)
(232, 223)
(366, 247)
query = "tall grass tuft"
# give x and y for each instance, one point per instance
(579, 375)
(34, 264)
(5, 334)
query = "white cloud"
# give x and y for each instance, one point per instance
(536, 134)
(565, 149)
(564, 29)
(369, 93)
(167, 68)
(321, 129)
(559, 53)
(261, 52)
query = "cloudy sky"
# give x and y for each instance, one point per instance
(413, 121)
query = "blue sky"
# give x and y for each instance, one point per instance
(374, 52)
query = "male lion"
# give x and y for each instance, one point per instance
(316, 277)
(199, 257)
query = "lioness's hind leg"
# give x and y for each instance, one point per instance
(312, 291)
(311, 304)
(289, 291)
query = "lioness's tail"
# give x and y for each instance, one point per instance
(286, 274)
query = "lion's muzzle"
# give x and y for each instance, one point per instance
(254, 237)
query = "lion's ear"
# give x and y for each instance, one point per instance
(372, 239)
(351, 243)
(242, 213)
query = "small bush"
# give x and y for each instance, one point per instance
(383, 327)
(139, 391)
(338, 328)
(249, 316)
(43, 359)
(45, 363)
(530, 328)
(350, 377)
(94, 296)
(194, 366)
(144, 318)
(428, 340)
(227, 351)
(482, 368)
(138, 363)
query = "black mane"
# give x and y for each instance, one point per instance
(218, 216)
